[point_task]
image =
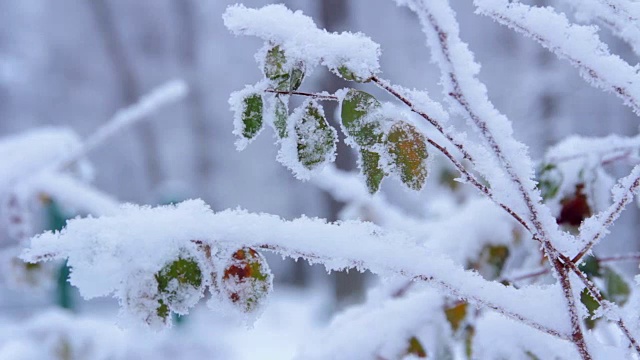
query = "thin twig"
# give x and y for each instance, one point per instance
(602, 260)
(608, 216)
(317, 96)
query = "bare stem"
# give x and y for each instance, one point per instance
(317, 96)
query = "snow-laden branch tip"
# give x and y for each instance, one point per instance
(30, 152)
(140, 239)
(165, 94)
(596, 227)
(302, 41)
(603, 149)
(578, 44)
(622, 17)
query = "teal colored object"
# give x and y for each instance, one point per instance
(57, 221)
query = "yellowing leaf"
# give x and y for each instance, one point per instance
(408, 152)
(246, 280)
(416, 348)
(456, 315)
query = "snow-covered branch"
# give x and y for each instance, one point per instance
(578, 44)
(620, 16)
(596, 227)
(144, 239)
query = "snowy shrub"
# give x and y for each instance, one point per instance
(505, 268)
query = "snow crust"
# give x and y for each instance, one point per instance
(111, 248)
(302, 41)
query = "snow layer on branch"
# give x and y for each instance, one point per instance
(601, 149)
(27, 154)
(74, 195)
(403, 318)
(104, 252)
(596, 227)
(303, 41)
(499, 338)
(622, 17)
(578, 44)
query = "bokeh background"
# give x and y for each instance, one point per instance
(73, 63)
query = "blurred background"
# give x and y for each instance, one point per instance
(73, 63)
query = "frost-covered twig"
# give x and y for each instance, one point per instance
(622, 17)
(595, 227)
(580, 45)
(148, 104)
(545, 270)
(605, 149)
(74, 194)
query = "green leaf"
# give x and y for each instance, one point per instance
(456, 315)
(469, 333)
(162, 310)
(549, 180)
(280, 118)
(370, 164)
(344, 72)
(274, 64)
(591, 304)
(617, 289)
(316, 139)
(531, 356)
(296, 75)
(286, 77)
(252, 115)
(416, 348)
(408, 152)
(357, 108)
(176, 279)
(591, 267)
(185, 271)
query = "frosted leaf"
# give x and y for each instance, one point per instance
(246, 280)
(181, 284)
(549, 180)
(360, 118)
(316, 138)
(369, 163)
(285, 75)
(281, 115)
(407, 151)
(247, 106)
(313, 144)
(141, 302)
